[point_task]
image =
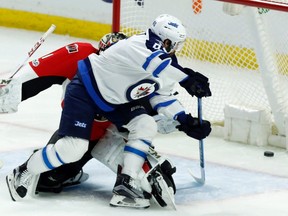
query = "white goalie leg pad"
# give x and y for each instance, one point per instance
(232, 9)
(10, 95)
(166, 192)
(154, 182)
(110, 149)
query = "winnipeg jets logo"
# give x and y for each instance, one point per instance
(141, 89)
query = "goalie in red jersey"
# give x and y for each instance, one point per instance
(54, 68)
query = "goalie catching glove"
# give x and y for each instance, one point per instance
(192, 127)
(196, 84)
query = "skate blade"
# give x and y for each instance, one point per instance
(122, 201)
(14, 195)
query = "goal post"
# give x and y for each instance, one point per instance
(244, 54)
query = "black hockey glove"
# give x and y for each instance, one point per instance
(197, 84)
(191, 126)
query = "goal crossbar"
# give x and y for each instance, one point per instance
(274, 5)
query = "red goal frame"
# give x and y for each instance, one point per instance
(269, 4)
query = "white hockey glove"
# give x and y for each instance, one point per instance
(10, 95)
(232, 9)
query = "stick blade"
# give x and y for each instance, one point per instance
(200, 181)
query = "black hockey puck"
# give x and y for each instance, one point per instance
(268, 153)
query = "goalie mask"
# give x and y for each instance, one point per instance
(109, 39)
(169, 27)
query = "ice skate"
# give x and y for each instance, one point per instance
(18, 182)
(127, 194)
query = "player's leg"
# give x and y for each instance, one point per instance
(75, 128)
(66, 175)
(156, 174)
(142, 128)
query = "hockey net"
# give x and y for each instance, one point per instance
(245, 55)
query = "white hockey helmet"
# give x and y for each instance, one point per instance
(169, 27)
(109, 39)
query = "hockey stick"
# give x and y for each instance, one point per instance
(35, 47)
(200, 180)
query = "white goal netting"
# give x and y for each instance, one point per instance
(245, 56)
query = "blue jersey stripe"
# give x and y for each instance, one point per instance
(164, 104)
(151, 57)
(83, 70)
(161, 67)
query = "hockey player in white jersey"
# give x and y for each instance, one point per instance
(111, 84)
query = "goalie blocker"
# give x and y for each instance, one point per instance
(155, 178)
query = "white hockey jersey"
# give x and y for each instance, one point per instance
(131, 69)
